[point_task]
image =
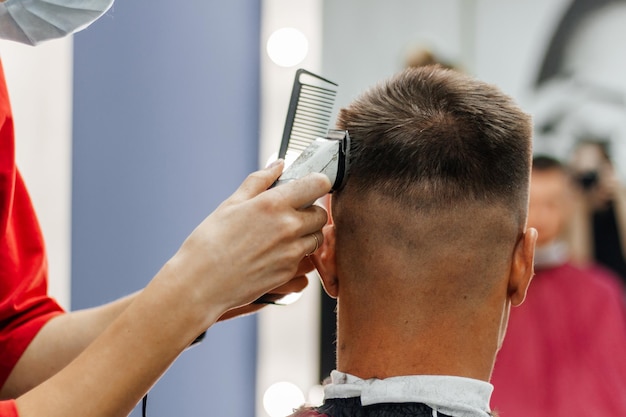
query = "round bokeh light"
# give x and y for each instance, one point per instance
(281, 398)
(287, 47)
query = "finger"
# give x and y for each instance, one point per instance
(313, 242)
(241, 311)
(305, 266)
(312, 219)
(295, 285)
(319, 257)
(304, 191)
(259, 181)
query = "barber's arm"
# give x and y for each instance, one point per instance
(58, 342)
(251, 245)
(67, 335)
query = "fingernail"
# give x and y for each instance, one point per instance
(275, 163)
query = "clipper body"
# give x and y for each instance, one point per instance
(329, 156)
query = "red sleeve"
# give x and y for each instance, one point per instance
(24, 304)
(8, 409)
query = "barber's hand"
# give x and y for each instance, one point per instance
(295, 285)
(252, 243)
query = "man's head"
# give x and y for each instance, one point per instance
(431, 220)
(550, 197)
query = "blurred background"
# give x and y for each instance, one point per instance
(132, 131)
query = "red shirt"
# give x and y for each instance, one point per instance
(8, 409)
(24, 304)
(564, 353)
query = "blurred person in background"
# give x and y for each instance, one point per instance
(564, 351)
(599, 221)
(579, 109)
(421, 56)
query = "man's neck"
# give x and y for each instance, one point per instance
(376, 349)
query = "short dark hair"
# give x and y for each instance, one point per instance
(429, 137)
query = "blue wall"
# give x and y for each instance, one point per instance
(165, 128)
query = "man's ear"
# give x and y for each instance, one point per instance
(522, 267)
(325, 262)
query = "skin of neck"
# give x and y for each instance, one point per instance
(386, 345)
(427, 298)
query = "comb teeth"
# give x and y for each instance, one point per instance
(309, 113)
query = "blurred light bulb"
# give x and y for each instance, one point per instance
(281, 398)
(287, 47)
(290, 298)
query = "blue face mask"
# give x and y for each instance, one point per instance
(35, 21)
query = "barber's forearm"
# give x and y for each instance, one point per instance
(113, 373)
(251, 245)
(58, 343)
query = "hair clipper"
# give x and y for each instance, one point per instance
(328, 156)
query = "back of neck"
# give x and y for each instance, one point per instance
(380, 347)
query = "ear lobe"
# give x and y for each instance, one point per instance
(325, 262)
(522, 269)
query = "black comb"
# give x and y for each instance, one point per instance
(310, 108)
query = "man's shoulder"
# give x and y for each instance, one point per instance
(593, 277)
(597, 278)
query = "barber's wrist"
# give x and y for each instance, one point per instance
(192, 305)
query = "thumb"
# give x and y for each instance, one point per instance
(259, 181)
